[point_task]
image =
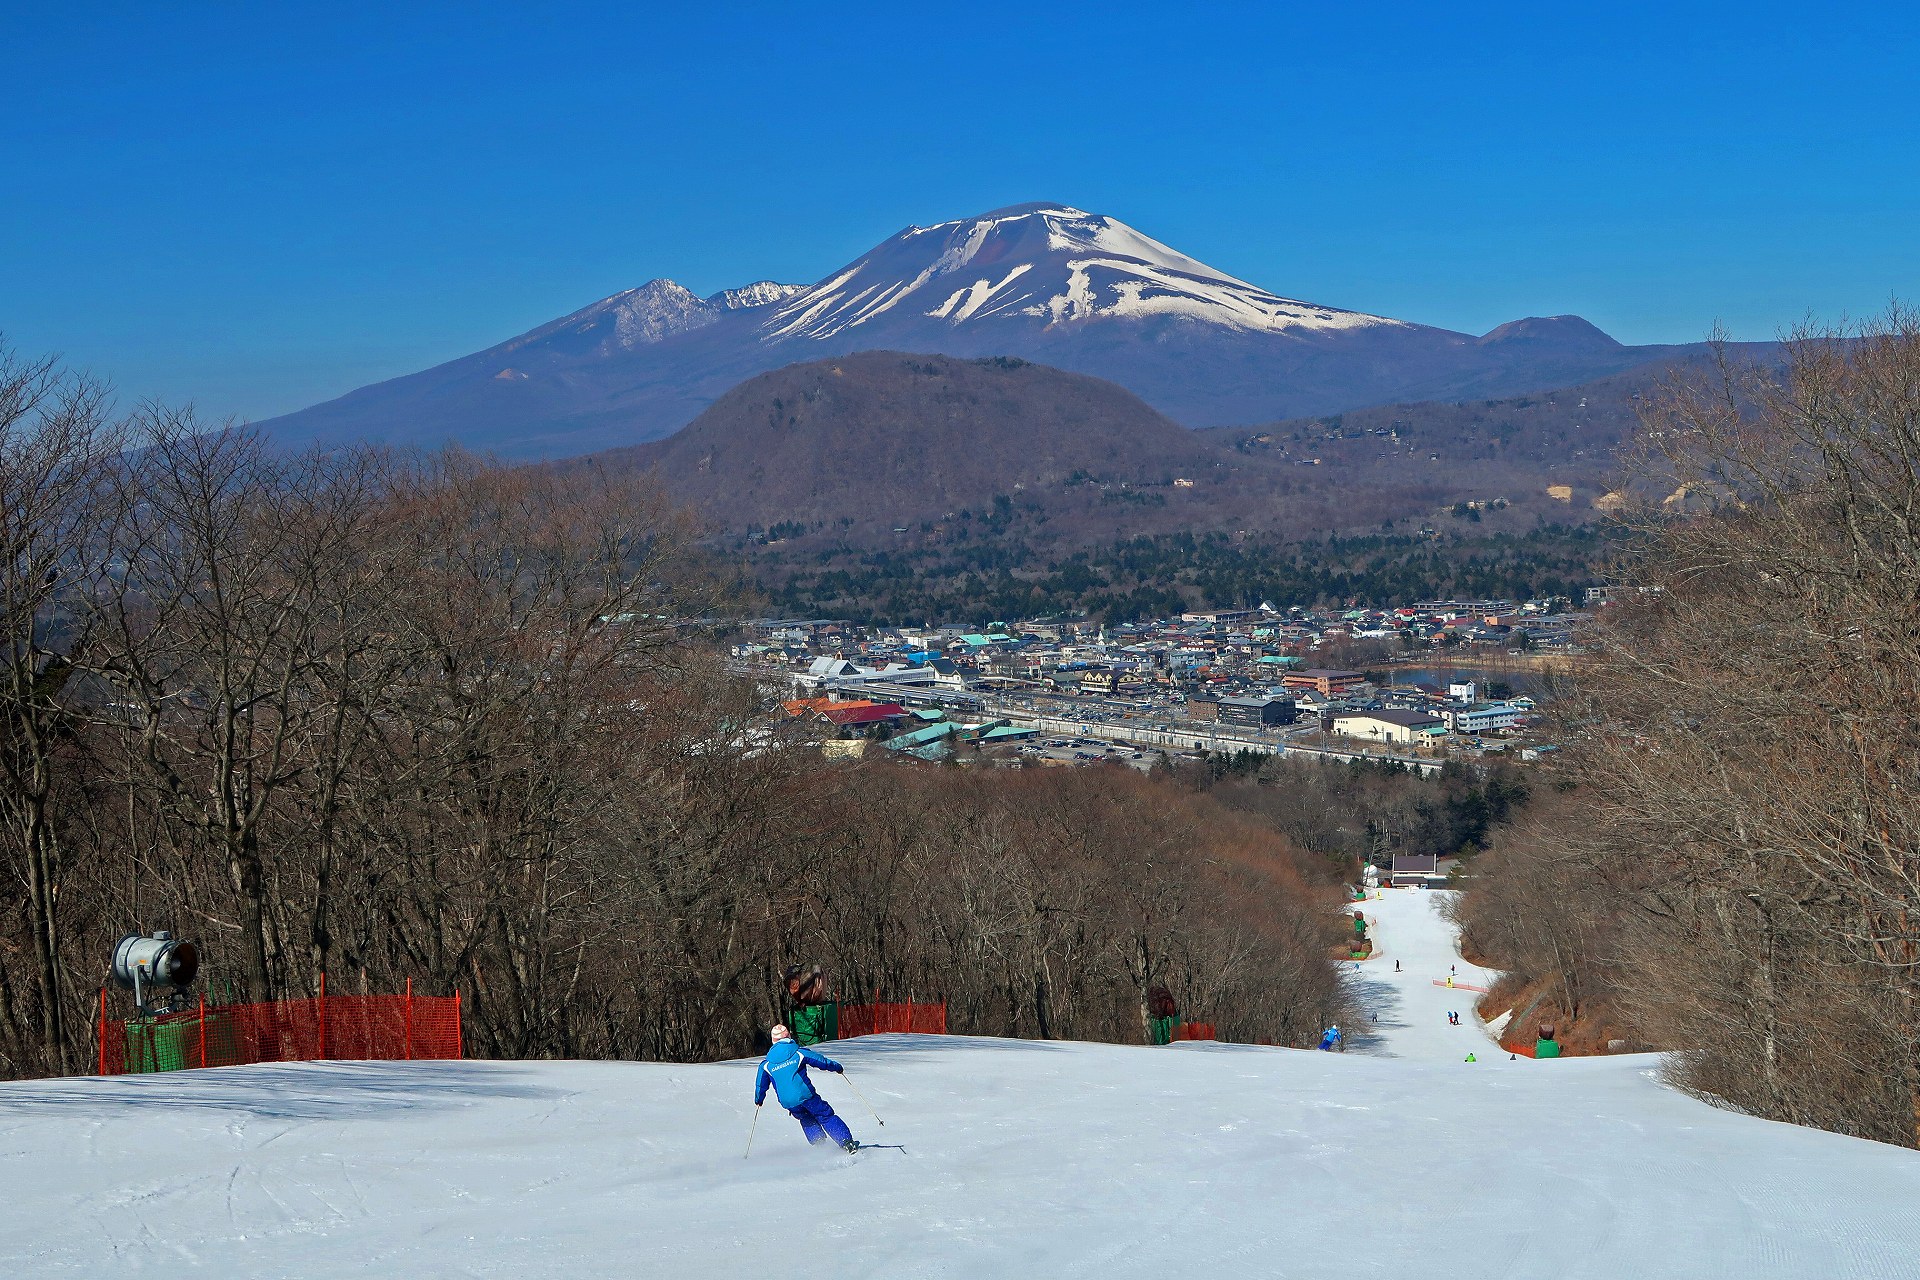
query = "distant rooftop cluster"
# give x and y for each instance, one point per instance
(1066, 689)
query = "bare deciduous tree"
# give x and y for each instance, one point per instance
(58, 449)
(390, 717)
(1747, 826)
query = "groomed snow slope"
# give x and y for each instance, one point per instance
(1022, 1159)
(1412, 1005)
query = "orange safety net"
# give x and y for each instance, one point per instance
(1194, 1031)
(350, 1028)
(875, 1019)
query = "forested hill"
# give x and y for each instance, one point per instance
(887, 451)
(898, 487)
(1573, 431)
(869, 441)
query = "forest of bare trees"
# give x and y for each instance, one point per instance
(382, 718)
(1731, 863)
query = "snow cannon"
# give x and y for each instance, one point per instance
(142, 962)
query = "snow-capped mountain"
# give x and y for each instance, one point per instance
(654, 312)
(1044, 282)
(757, 294)
(1044, 262)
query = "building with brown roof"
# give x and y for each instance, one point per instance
(1329, 683)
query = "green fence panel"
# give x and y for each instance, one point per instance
(813, 1023)
(176, 1045)
(162, 1046)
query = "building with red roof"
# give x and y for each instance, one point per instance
(846, 716)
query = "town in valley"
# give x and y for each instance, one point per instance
(1414, 685)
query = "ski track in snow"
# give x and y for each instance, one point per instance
(1395, 1159)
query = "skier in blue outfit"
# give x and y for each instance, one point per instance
(785, 1070)
(1331, 1040)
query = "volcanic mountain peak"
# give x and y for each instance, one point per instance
(657, 310)
(1047, 262)
(651, 313)
(757, 294)
(1045, 282)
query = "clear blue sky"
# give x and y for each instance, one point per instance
(256, 206)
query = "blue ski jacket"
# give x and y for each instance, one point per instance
(785, 1068)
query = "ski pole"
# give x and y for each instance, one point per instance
(750, 1129)
(863, 1098)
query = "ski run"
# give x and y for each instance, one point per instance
(1397, 1158)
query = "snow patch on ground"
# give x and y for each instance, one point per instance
(1022, 1159)
(964, 303)
(1074, 232)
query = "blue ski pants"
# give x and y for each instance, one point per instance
(818, 1122)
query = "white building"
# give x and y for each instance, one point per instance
(1390, 726)
(1488, 719)
(838, 673)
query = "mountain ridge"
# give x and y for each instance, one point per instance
(1045, 282)
(878, 452)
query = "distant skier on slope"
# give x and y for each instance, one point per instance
(785, 1070)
